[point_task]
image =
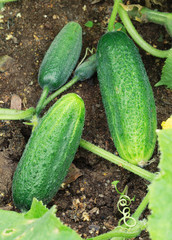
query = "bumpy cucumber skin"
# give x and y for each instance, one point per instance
(87, 69)
(61, 57)
(127, 97)
(49, 152)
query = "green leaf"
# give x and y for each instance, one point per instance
(160, 220)
(37, 210)
(38, 223)
(166, 77)
(89, 24)
(119, 27)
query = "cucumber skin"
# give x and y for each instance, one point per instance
(49, 152)
(127, 97)
(87, 69)
(61, 57)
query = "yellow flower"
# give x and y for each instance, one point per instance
(167, 124)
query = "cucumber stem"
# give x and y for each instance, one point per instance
(59, 91)
(1, 5)
(137, 38)
(143, 14)
(117, 160)
(41, 101)
(123, 232)
(13, 114)
(113, 15)
(136, 215)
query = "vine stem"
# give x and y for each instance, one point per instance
(13, 114)
(113, 15)
(117, 160)
(137, 38)
(121, 232)
(141, 207)
(1, 5)
(143, 14)
(40, 104)
(59, 91)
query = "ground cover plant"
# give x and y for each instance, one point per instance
(133, 226)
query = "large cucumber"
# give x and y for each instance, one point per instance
(49, 152)
(61, 57)
(127, 97)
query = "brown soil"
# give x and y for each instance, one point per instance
(88, 204)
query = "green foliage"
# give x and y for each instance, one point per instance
(89, 24)
(166, 78)
(119, 27)
(160, 220)
(38, 223)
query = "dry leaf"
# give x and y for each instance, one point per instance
(72, 175)
(15, 102)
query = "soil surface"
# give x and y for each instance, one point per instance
(89, 202)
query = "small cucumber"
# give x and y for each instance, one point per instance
(61, 57)
(87, 68)
(127, 97)
(49, 152)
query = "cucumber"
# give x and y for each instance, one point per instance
(61, 57)
(87, 69)
(127, 97)
(49, 152)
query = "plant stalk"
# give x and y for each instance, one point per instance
(1, 5)
(137, 38)
(123, 232)
(117, 160)
(12, 114)
(113, 15)
(59, 91)
(40, 104)
(143, 14)
(136, 215)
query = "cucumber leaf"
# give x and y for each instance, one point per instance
(166, 77)
(38, 223)
(160, 220)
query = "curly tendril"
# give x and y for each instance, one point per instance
(123, 207)
(124, 202)
(87, 51)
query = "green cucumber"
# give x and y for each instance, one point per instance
(127, 97)
(61, 57)
(86, 69)
(49, 152)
